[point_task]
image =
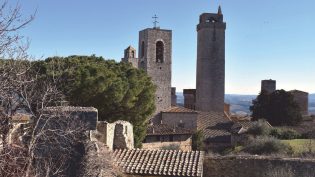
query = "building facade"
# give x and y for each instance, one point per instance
(130, 56)
(268, 86)
(210, 86)
(301, 98)
(155, 57)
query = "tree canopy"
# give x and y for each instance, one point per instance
(117, 90)
(278, 108)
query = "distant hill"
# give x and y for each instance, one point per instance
(241, 103)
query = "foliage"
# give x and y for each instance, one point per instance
(261, 128)
(278, 108)
(301, 145)
(117, 90)
(267, 145)
(197, 141)
(285, 134)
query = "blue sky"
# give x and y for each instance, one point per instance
(264, 39)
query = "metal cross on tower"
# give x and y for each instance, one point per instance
(155, 22)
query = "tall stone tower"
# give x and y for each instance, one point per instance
(130, 56)
(268, 86)
(210, 62)
(155, 57)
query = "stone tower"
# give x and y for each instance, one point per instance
(130, 56)
(210, 62)
(155, 57)
(268, 86)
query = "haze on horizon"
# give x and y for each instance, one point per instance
(264, 39)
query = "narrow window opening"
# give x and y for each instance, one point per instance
(142, 49)
(159, 52)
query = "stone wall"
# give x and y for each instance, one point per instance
(115, 135)
(302, 100)
(210, 80)
(159, 71)
(180, 119)
(268, 86)
(255, 166)
(183, 141)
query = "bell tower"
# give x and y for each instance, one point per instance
(155, 57)
(210, 62)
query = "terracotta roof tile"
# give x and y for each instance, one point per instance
(160, 162)
(215, 127)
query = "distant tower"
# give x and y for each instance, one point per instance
(269, 86)
(210, 62)
(190, 98)
(130, 56)
(301, 98)
(155, 57)
(174, 96)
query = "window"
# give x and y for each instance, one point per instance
(159, 52)
(142, 49)
(133, 54)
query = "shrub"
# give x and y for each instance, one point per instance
(260, 128)
(285, 134)
(197, 141)
(267, 145)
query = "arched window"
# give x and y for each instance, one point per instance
(159, 52)
(133, 54)
(142, 49)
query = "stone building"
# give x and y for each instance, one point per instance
(210, 78)
(269, 86)
(190, 98)
(88, 115)
(117, 135)
(130, 56)
(163, 136)
(302, 100)
(155, 57)
(214, 125)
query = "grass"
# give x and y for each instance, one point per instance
(301, 145)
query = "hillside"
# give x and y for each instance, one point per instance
(241, 103)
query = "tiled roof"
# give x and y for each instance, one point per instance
(215, 127)
(160, 162)
(175, 109)
(163, 129)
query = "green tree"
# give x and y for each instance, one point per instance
(117, 90)
(197, 141)
(278, 108)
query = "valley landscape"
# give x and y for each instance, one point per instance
(240, 103)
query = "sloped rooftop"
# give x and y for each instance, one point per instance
(160, 162)
(215, 127)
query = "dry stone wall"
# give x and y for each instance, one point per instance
(253, 166)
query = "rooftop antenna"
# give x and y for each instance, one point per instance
(155, 22)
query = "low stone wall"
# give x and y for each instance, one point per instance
(258, 166)
(183, 145)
